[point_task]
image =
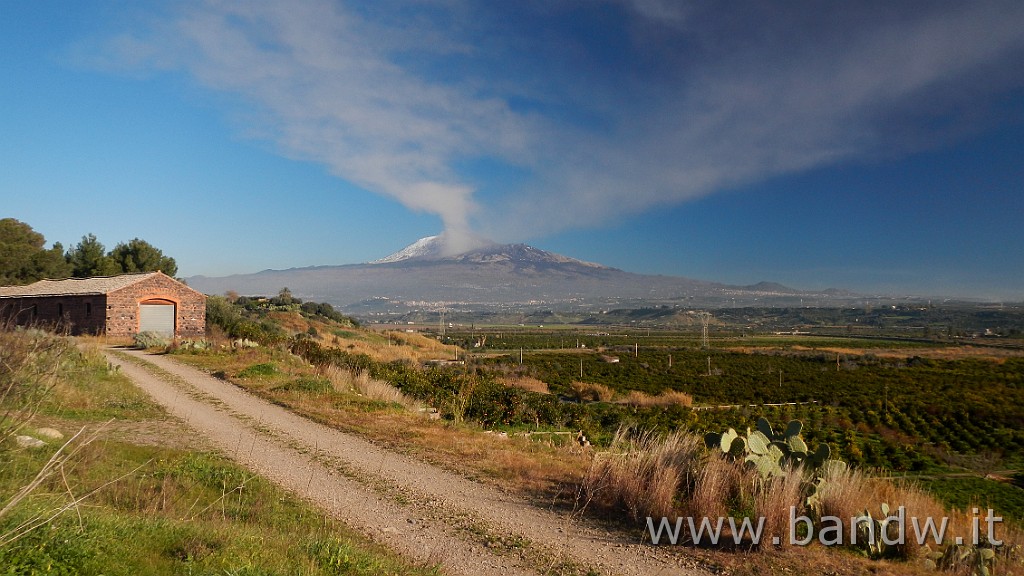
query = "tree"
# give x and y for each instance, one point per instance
(88, 258)
(284, 298)
(23, 258)
(141, 256)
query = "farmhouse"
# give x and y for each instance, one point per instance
(113, 305)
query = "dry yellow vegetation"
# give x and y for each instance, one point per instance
(528, 383)
(666, 398)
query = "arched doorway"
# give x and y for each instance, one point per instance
(157, 315)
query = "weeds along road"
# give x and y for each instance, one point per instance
(428, 514)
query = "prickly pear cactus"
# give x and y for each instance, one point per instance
(769, 452)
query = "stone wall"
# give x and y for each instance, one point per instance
(80, 314)
(122, 309)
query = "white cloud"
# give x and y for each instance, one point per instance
(324, 89)
(751, 108)
(399, 97)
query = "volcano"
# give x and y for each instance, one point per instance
(492, 276)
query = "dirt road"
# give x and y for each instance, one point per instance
(428, 514)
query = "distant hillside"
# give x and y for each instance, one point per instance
(494, 276)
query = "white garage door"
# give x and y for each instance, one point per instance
(158, 318)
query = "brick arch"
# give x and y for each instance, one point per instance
(159, 300)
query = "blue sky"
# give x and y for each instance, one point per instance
(873, 146)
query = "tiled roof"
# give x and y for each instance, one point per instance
(74, 286)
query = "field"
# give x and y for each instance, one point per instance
(911, 408)
(506, 405)
(931, 393)
(511, 405)
(146, 480)
(941, 414)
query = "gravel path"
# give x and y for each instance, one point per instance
(426, 513)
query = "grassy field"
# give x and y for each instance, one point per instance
(169, 510)
(510, 411)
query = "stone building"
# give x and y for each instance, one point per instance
(113, 305)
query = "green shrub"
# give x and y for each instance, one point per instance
(335, 556)
(204, 469)
(259, 370)
(192, 347)
(146, 340)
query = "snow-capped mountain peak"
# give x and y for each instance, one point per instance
(444, 245)
(429, 247)
(436, 248)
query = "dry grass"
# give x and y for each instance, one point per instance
(843, 494)
(644, 474)
(291, 321)
(665, 476)
(104, 340)
(528, 383)
(921, 505)
(591, 392)
(666, 398)
(31, 363)
(775, 499)
(849, 494)
(343, 380)
(718, 482)
(387, 346)
(391, 346)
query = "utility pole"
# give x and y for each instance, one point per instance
(705, 319)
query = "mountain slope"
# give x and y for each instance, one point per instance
(432, 248)
(495, 275)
